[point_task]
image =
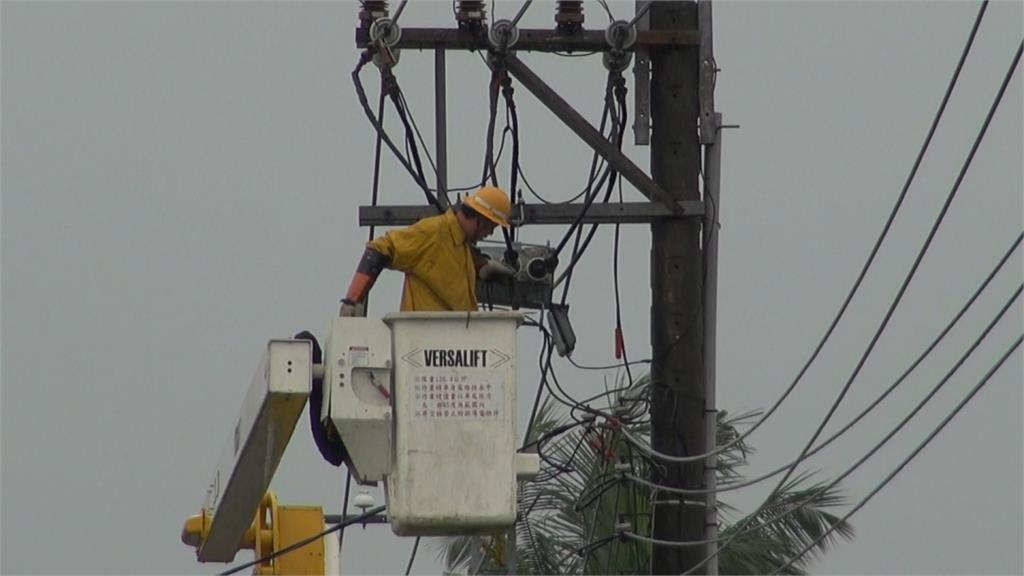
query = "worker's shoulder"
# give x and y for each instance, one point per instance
(433, 223)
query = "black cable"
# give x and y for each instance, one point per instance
(344, 507)
(889, 435)
(364, 58)
(903, 287)
(620, 336)
(578, 251)
(497, 158)
(613, 78)
(396, 98)
(907, 460)
(492, 106)
(545, 200)
(906, 373)
(376, 160)
(510, 106)
(415, 547)
(874, 251)
(295, 546)
(426, 149)
(609, 366)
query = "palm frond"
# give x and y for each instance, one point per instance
(568, 516)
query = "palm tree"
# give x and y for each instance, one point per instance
(567, 516)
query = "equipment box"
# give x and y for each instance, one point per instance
(454, 467)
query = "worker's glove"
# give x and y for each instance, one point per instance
(350, 309)
(494, 269)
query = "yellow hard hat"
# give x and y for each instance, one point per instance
(491, 203)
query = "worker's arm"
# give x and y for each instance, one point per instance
(488, 268)
(399, 249)
(370, 266)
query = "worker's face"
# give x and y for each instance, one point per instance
(482, 228)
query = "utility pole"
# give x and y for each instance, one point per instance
(674, 86)
(677, 334)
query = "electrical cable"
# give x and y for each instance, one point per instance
(344, 507)
(412, 557)
(906, 282)
(498, 78)
(593, 523)
(743, 528)
(364, 58)
(669, 543)
(609, 366)
(510, 107)
(354, 520)
(906, 460)
(426, 149)
(612, 83)
(644, 446)
(906, 373)
(874, 251)
(399, 103)
(620, 338)
(579, 250)
(545, 200)
(377, 162)
(492, 106)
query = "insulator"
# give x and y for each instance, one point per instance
(470, 14)
(569, 16)
(372, 10)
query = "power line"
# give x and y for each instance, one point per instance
(903, 287)
(874, 251)
(744, 529)
(921, 357)
(912, 455)
(412, 557)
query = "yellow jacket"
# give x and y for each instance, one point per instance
(439, 270)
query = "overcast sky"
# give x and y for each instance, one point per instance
(180, 183)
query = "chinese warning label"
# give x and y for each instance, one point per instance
(456, 397)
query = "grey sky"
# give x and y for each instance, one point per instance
(180, 180)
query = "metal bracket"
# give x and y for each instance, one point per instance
(571, 118)
(708, 75)
(642, 86)
(617, 213)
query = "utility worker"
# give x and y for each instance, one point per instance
(437, 255)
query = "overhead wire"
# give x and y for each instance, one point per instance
(867, 410)
(412, 556)
(618, 132)
(903, 287)
(743, 528)
(871, 257)
(985, 379)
